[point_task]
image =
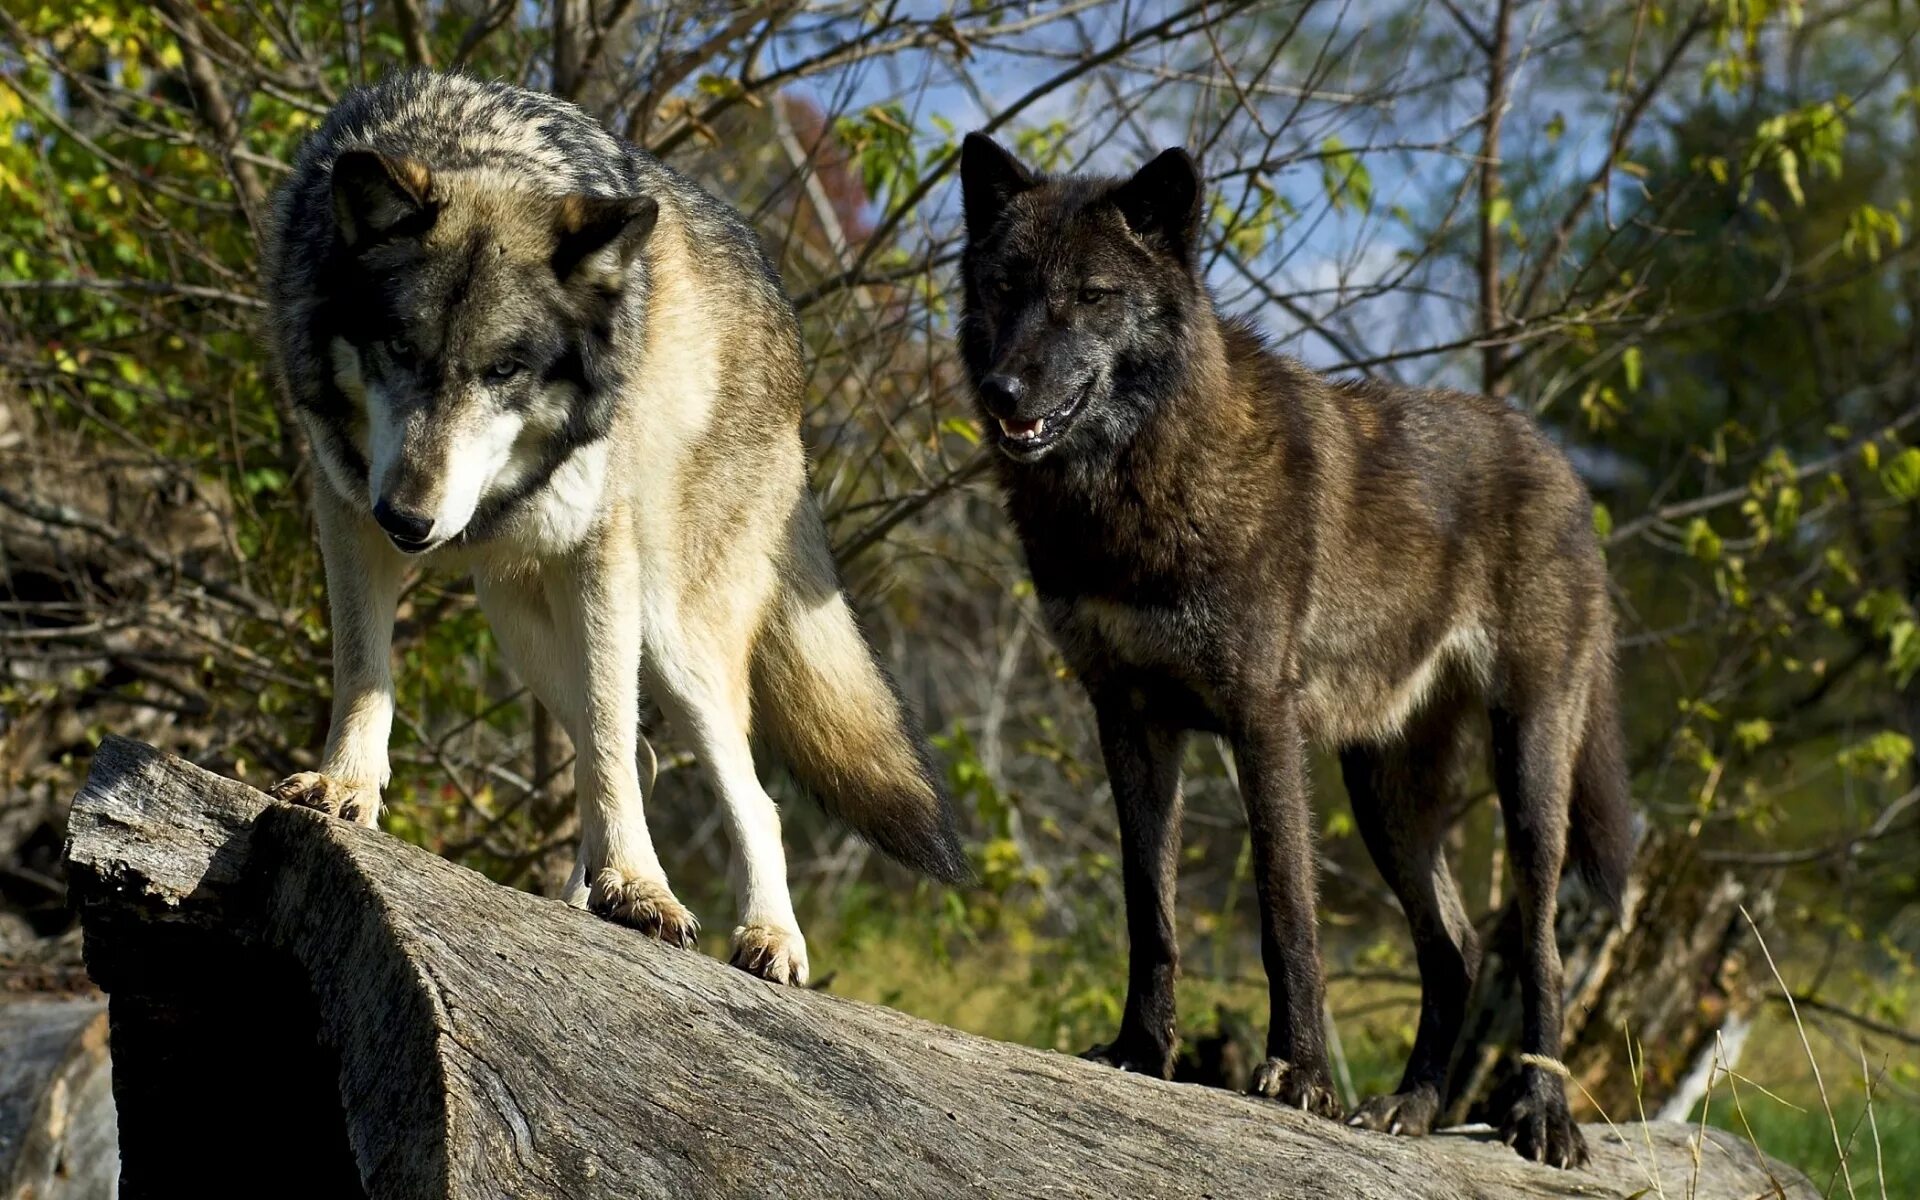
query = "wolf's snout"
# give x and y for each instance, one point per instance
(1002, 395)
(410, 531)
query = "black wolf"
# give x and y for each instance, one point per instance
(1225, 541)
(522, 348)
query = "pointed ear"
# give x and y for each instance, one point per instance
(379, 196)
(602, 231)
(989, 177)
(1163, 200)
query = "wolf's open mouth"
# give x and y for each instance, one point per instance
(1024, 431)
(1023, 437)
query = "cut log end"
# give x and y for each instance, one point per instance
(360, 1015)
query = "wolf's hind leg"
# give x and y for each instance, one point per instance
(1399, 794)
(364, 573)
(1143, 766)
(1533, 752)
(704, 690)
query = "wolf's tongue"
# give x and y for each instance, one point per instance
(1020, 428)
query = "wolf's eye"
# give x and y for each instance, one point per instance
(999, 289)
(1093, 295)
(504, 370)
(396, 349)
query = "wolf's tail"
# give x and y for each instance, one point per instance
(839, 724)
(1600, 841)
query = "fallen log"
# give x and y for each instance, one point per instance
(349, 1015)
(56, 1107)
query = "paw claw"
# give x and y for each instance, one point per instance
(774, 954)
(1278, 1079)
(643, 904)
(1539, 1127)
(356, 802)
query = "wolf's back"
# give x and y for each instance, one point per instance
(839, 724)
(455, 122)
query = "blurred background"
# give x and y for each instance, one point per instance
(1680, 233)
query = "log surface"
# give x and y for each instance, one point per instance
(354, 1010)
(56, 1104)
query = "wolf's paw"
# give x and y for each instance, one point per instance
(1136, 1054)
(774, 954)
(643, 904)
(356, 802)
(1540, 1129)
(1294, 1087)
(1408, 1114)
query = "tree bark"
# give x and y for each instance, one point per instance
(297, 998)
(56, 1105)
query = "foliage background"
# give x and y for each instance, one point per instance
(1678, 232)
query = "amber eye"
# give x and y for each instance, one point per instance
(999, 289)
(1092, 295)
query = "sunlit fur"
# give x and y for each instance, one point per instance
(578, 373)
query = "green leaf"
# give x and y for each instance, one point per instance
(963, 428)
(1631, 362)
(1343, 175)
(1702, 542)
(1902, 474)
(1884, 754)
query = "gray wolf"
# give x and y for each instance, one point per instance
(1224, 541)
(521, 348)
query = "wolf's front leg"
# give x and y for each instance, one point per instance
(1143, 766)
(1269, 749)
(596, 600)
(701, 677)
(363, 587)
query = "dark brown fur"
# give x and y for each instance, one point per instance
(1225, 541)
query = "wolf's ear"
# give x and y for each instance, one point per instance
(380, 196)
(1163, 200)
(989, 177)
(604, 230)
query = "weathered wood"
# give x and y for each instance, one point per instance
(56, 1102)
(477, 1041)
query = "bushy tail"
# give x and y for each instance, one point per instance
(838, 723)
(1601, 841)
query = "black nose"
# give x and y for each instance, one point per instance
(1002, 394)
(408, 530)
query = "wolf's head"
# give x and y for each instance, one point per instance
(1079, 292)
(471, 321)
